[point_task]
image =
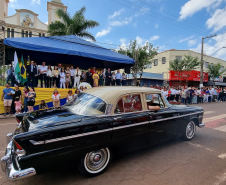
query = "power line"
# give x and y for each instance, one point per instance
(172, 14)
(158, 17)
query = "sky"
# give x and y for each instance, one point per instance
(167, 24)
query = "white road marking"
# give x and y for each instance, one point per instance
(221, 179)
(199, 146)
(221, 128)
(213, 118)
(208, 112)
(222, 156)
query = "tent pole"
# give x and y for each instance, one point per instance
(2, 51)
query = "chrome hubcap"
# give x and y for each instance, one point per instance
(96, 160)
(190, 130)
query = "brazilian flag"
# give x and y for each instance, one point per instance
(20, 71)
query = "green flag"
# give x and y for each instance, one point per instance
(20, 71)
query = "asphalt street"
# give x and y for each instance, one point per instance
(201, 161)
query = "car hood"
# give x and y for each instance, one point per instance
(49, 118)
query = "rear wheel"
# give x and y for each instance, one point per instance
(95, 162)
(189, 131)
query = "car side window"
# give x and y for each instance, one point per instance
(154, 100)
(130, 103)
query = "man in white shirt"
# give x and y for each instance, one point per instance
(72, 75)
(211, 93)
(77, 75)
(173, 94)
(43, 71)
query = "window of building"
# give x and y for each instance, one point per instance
(206, 64)
(163, 60)
(155, 62)
(211, 64)
(179, 58)
(222, 68)
(30, 34)
(12, 33)
(8, 32)
(148, 66)
(26, 33)
(130, 103)
(43, 34)
(39, 34)
(22, 33)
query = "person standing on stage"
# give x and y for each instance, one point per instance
(93, 71)
(108, 75)
(9, 74)
(55, 75)
(118, 78)
(72, 76)
(62, 78)
(59, 69)
(36, 75)
(49, 76)
(95, 79)
(89, 77)
(43, 72)
(124, 78)
(101, 78)
(67, 77)
(77, 77)
(31, 72)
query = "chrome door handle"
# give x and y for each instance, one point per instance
(116, 119)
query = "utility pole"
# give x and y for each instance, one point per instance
(201, 71)
(2, 50)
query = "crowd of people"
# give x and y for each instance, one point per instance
(58, 77)
(15, 101)
(192, 95)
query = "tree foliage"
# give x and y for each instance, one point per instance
(142, 56)
(184, 67)
(215, 70)
(76, 25)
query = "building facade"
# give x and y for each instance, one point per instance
(25, 23)
(161, 62)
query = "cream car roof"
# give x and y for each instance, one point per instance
(111, 94)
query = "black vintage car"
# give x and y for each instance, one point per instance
(89, 129)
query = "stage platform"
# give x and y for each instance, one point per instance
(41, 94)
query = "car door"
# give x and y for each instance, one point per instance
(131, 123)
(163, 123)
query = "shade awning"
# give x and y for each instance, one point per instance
(68, 49)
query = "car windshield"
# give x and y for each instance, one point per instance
(86, 104)
(167, 103)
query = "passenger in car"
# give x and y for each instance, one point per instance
(153, 107)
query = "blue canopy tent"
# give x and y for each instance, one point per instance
(69, 50)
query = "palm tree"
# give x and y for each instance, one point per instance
(76, 25)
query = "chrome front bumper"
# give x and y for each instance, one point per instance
(201, 125)
(7, 164)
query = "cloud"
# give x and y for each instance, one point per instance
(142, 11)
(192, 42)
(218, 20)
(139, 40)
(103, 32)
(123, 43)
(116, 13)
(155, 37)
(46, 22)
(185, 39)
(33, 2)
(126, 21)
(193, 6)
(209, 48)
(156, 26)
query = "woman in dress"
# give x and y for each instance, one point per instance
(25, 92)
(31, 99)
(49, 76)
(62, 78)
(124, 78)
(69, 96)
(17, 94)
(101, 78)
(95, 79)
(113, 79)
(43, 105)
(55, 74)
(56, 98)
(194, 96)
(67, 77)
(183, 96)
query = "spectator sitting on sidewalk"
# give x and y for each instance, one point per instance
(43, 105)
(7, 98)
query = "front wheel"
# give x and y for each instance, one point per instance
(95, 162)
(189, 131)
